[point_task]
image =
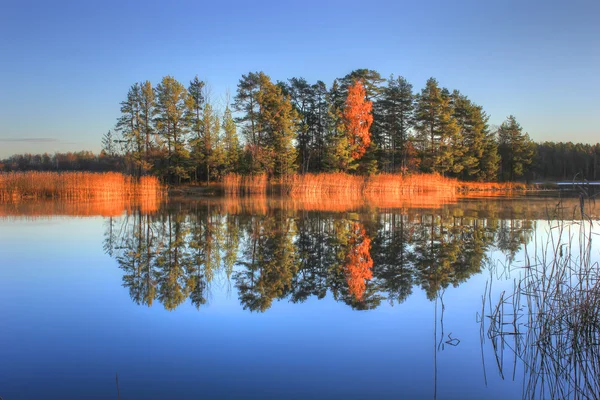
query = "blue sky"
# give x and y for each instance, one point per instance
(65, 66)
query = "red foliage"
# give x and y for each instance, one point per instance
(359, 263)
(358, 119)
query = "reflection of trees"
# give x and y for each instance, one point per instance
(392, 266)
(270, 262)
(361, 259)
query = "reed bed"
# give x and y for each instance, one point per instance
(235, 184)
(16, 186)
(552, 317)
(388, 184)
(347, 184)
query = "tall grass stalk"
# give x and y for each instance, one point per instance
(552, 317)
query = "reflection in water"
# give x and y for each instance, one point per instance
(283, 252)
(549, 320)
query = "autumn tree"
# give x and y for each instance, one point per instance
(357, 120)
(359, 264)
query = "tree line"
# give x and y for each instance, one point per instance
(361, 124)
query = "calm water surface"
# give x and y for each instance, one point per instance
(262, 298)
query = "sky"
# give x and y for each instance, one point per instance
(66, 65)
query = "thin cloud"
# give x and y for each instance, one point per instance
(30, 140)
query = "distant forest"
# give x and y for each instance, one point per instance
(361, 124)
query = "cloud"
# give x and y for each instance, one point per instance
(30, 140)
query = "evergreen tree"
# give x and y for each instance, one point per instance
(210, 146)
(516, 149)
(231, 145)
(108, 144)
(474, 139)
(338, 155)
(129, 126)
(147, 105)
(269, 124)
(173, 107)
(437, 130)
(396, 109)
(194, 115)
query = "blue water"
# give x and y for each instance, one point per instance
(70, 323)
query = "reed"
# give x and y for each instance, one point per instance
(16, 186)
(347, 184)
(550, 319)
(388, 184)
(235, 184)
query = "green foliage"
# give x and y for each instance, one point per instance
(231, 144)
(172, 122)
(479, 160)
(296, 126)
(437, 130)
(269, 124)
(394, 120)
(516, 149)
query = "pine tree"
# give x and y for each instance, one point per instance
(396, 109)
(437, 130)
(194, 115)
(210, 145)
(172, 108)
(516, 149)
(129, 126)
(338, 152)
(474, 137)
(231, 145)
(269, 124)
(147, 105)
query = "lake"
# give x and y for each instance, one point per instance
(263, 297)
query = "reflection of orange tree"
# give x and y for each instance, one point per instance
(359, 264)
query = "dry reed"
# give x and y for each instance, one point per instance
(388, 184)
(347, 184)
(235, 184)
(550, 319)
(16, 186)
